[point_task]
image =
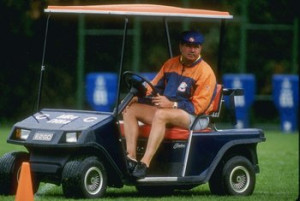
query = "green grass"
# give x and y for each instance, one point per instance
(278, 178)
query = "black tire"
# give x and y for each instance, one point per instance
(84, 178)
(236, 177)
(216, 182)
(10, 166)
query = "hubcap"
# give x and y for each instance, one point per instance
(18, 174)
(239, 179)
(93, 180)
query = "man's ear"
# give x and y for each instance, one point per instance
(180, 46)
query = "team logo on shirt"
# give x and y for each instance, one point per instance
(182, 87)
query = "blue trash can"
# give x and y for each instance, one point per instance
(286, 100)
(101, 91)
(242, 103)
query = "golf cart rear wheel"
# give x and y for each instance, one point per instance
(10, 166)
(84, 178)
(237, 177)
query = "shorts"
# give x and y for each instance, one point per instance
(202, 122)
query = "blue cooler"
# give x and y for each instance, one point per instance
(242, 103)
(286, 99)
(101, 91)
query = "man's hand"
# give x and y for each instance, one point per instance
(162, 101)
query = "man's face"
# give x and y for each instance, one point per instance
(190, 52)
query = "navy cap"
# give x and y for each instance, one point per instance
(192, 37)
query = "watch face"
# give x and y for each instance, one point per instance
(175, 105)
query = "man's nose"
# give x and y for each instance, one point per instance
(192, 49)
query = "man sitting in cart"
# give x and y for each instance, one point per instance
(185, 86)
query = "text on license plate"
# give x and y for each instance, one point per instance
(43, 136)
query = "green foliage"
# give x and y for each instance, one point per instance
(23, 28)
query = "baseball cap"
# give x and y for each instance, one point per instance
(192, 37)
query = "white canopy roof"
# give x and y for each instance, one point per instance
(140, 10)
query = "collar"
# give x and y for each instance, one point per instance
(192, 64)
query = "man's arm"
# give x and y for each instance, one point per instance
(204, 93)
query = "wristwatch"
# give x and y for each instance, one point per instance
(175, 105)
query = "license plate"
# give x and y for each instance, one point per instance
(43, 136)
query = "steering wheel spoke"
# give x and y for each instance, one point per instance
(136, 83)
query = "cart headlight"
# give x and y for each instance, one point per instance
(22, 134)
(72, 137)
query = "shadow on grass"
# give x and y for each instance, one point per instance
(126, 192)
(136, 194)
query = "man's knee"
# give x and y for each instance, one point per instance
(161, 115)
(129, 111)
(135, 110)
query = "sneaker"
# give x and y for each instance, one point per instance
(131, 164)
(140, 170)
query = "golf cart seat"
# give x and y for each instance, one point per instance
(177, 133)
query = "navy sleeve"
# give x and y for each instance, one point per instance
(187, 106)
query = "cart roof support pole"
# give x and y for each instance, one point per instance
(220, 51)
(121, 64)
(80, 61)
(168, 37)
(43, 68)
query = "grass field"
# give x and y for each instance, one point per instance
(278, 178)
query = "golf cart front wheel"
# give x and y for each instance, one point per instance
(237, 177)
(84, 178)
(10, 166)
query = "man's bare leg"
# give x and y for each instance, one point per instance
(131, 115)
(162, 117)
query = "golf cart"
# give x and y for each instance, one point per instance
(84, 151)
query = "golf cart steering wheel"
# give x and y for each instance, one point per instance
(136, 81)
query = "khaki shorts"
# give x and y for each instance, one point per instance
(201, 122)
